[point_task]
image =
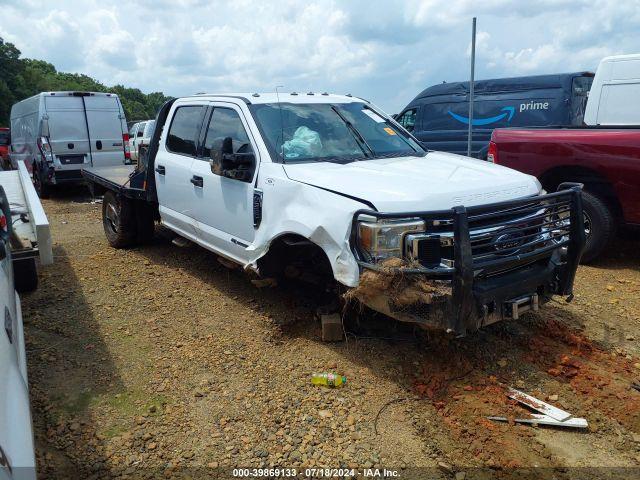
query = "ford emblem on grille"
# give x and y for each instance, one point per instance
(507, 241)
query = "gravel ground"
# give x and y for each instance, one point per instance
(159, 361)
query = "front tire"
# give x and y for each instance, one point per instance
(600, 226)
(118, 220)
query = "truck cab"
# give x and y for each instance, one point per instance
(283, 184)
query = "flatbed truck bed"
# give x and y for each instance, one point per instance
(117, 178)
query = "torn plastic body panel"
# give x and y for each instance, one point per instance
(321, 216)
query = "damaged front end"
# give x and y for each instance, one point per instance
(460, 269)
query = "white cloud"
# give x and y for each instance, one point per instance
(385, 51)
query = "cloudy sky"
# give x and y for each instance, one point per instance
(386, 51)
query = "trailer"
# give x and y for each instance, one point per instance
(30, 235)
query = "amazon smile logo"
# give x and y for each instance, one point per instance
(508, 113)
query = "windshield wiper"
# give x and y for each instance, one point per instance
(362, 143)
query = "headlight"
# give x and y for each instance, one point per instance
(383, 239)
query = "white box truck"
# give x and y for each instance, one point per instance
(56, 134)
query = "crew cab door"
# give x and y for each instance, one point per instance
(223, 206)
(176, 153)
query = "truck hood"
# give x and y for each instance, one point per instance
(438, 181)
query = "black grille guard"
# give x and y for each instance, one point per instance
(568, 200)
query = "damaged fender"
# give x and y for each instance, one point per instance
(291, 207)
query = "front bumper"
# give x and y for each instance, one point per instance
(489, 287)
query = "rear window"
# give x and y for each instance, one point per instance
(4, 138)
(184, 130)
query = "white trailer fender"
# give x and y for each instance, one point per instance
(321, 216)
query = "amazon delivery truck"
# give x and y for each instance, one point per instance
(439, 115)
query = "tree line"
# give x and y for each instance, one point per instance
(21, 78)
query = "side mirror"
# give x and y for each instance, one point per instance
(232, 165)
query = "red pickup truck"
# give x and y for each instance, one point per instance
(605, 160)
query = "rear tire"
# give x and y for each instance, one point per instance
(43, 190)
(119, 221)
(25, 275)
(600, 226)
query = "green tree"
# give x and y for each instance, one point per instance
(10, 79)
(21, 78)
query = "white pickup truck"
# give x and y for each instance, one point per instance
(320, 186)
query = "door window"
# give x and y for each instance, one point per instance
(228, 141)
(184, 130)
(408, 119)
(226, 123)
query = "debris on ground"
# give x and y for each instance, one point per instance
(540, 419)
(549, 414)
(332, 329)
(539, 405)
(328, 379)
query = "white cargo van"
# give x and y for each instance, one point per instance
(615, 92)
(56, 134)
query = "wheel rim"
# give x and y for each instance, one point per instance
(587, 224)
(112, 217)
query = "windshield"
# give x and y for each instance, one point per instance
(341, 132)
